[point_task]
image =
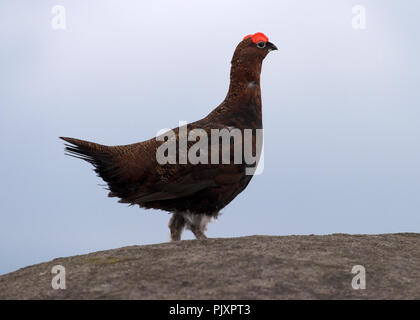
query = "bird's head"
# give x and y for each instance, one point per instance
(253, 48)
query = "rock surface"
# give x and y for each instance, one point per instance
(256, 267)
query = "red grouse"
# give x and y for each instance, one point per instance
(193, 192)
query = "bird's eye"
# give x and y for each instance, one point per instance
(261, 44)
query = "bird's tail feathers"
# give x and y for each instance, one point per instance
(100, 156)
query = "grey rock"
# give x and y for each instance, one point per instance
(255, 267)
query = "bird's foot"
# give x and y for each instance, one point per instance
(175, 237)
(199, 234)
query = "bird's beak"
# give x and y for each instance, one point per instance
(271, 46)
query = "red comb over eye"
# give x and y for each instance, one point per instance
(257, 37)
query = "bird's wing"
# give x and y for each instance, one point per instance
(174, 181)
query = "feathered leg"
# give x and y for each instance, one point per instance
(176, 225)
(197, 223)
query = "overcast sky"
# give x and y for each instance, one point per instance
(340, 108)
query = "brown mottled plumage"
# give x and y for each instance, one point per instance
(193, 193)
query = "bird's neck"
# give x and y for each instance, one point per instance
(242, 75)
(242, 104)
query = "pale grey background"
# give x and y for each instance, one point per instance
(341, 116)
